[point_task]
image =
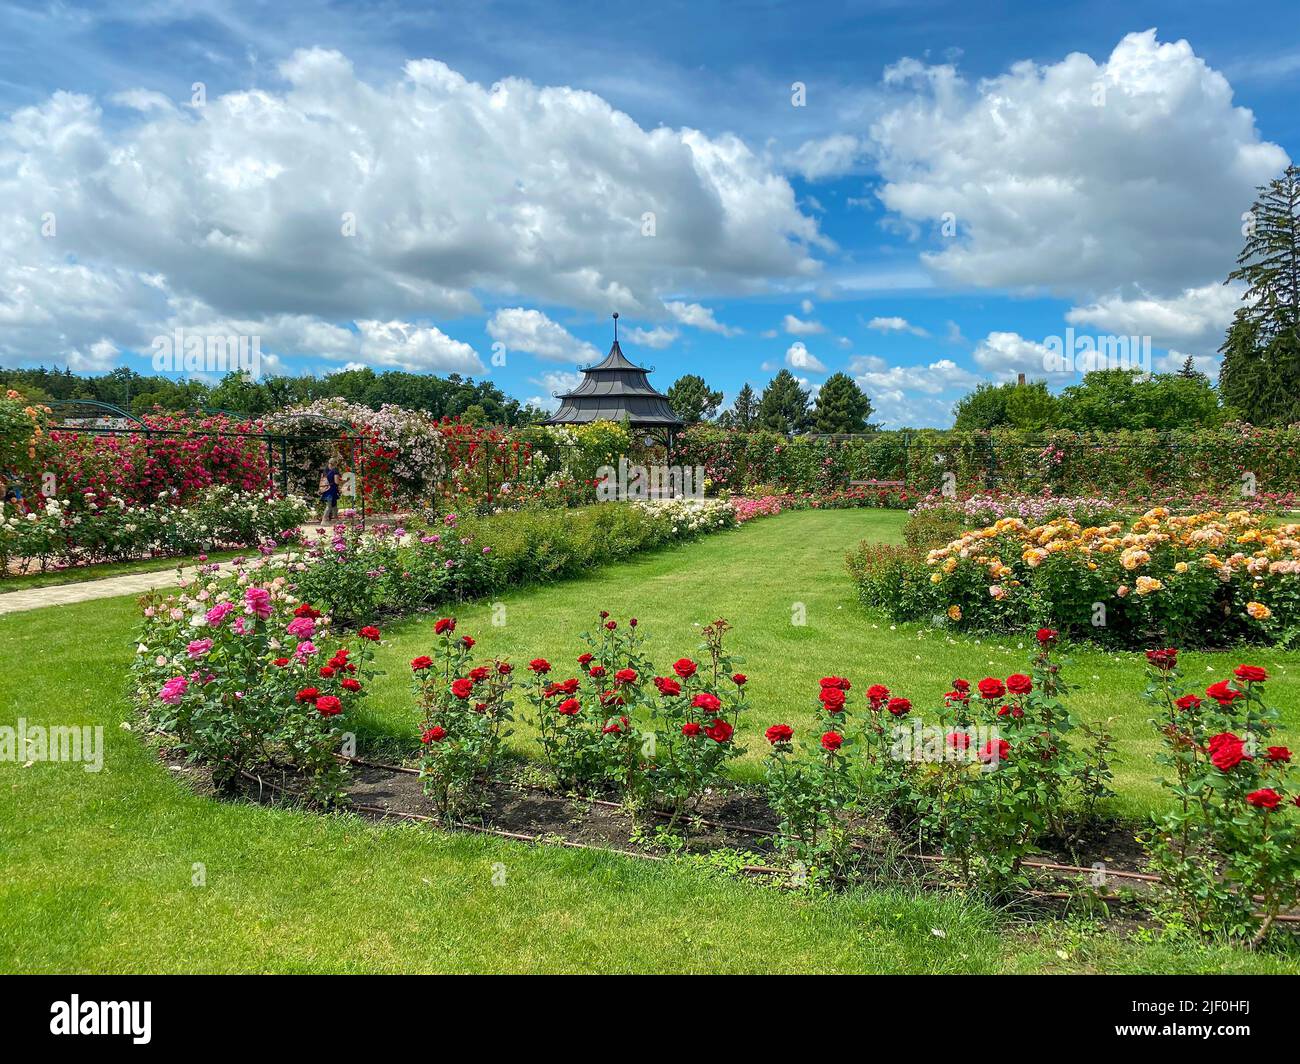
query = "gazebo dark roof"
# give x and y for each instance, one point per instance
(613, 390)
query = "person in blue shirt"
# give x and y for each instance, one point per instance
(329, 496)
(11, 487)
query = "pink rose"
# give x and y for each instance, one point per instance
(258, 601)
(218, 613)
(302, 627)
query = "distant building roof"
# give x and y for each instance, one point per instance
(614, 390)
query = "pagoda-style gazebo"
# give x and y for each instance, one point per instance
(617, 390)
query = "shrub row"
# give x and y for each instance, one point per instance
(391, 568)
(1229, 460)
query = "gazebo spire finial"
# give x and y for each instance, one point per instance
(616, 326)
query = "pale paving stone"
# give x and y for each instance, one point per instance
(127, 584)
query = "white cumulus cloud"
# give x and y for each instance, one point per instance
(797, 356)
(532, 332)
(326, 196)
(1080, 176)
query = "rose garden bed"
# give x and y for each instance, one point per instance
(235, 672)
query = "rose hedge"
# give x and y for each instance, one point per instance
(58, 534)
(1235, 460)
(1208, 579)
(198, 453)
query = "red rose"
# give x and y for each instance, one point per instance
(1019, 684)
(1278, 753)
(1264, 798)
(1227, 751)
(899, 707)
(327, 671)
(569, 707)
(719, 731)
(740, 679)
(961, 685)
(467, 641)
(444, 625)
(959, 740)
(1047, 635)
(1163, 659)
(878, 694)
(690, 729)
(1223, 693)
(838, 682)
(479, 673)
(832, 699)
(370, 632)
(436, 734)
(421, 663)
(615, 726)
(280, 663)
(708, 702)
(779, 733)
(667, 686)
(462, 688)
(611, 625)
(625, 676)
(1250, 673)
(504, 668)
(539, 666)
(1188, 702)
(995, 750)
(684, 667)
(307, 694)
(832, 741)
(597, 671)
(991, 688)
(584, 659)
(350, 684)
(328, 706)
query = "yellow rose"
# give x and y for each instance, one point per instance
(1259, 611)
(954, 613)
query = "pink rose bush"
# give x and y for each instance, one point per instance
(223, 672)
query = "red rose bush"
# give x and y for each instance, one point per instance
(994, 771)
(608, 723)
(1229, 852)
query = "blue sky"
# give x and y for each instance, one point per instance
(408, 187)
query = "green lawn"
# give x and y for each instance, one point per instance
(96, 868)
(763, 577)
